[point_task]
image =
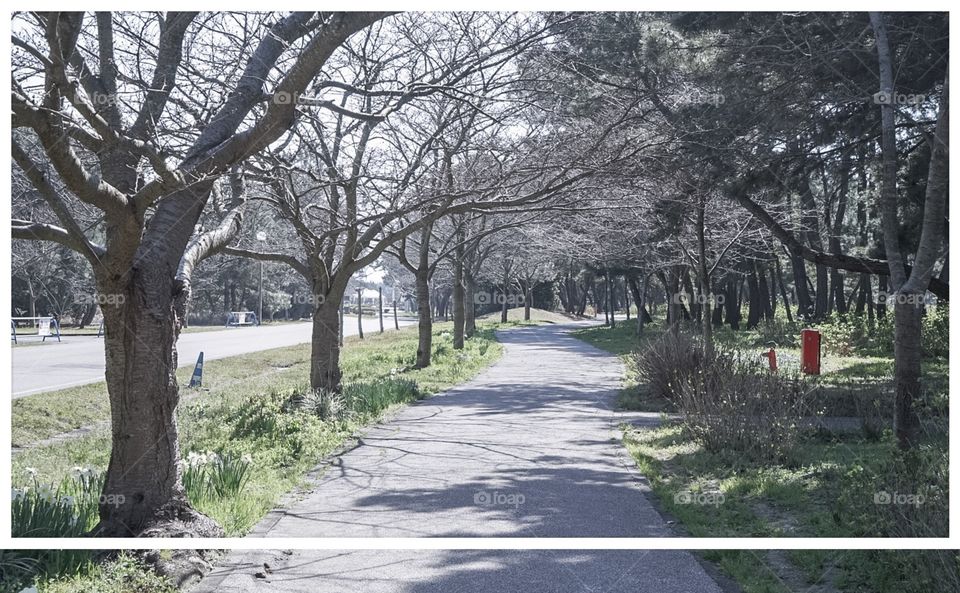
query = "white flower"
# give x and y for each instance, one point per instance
(29, 590)
(45, 492)
(67, 501)
(30, 471)
(246, 458)
(17, 494)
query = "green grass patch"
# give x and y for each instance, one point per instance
(219, 417)
(826, 487)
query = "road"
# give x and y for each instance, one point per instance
(529, 448)
(78, 360)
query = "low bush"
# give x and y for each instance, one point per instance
(667, 361)
(903, 571)
(936, 331)
(735, 405)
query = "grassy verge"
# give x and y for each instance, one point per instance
(831, 485)
(209, 419)
(254, 405)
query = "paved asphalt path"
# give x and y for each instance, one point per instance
(460, 571)
(78, 360)
(530, 448)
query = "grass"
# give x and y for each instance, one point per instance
(121, 574)
(233, 383)
(847, 384)
(244, 409)
(825, 488)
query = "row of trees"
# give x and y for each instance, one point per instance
(743, 155)
(141, 138)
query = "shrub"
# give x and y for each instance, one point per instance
(784, 333)
(734, 404)
(667, 361)
(903, 571)
(936, 331)
(843, 335)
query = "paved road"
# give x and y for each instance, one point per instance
(79, 359)
(530, 448)
(460, 571)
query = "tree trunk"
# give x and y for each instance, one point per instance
(732, 302)
(783, 289)
(504, 306)
(626, 297)
(143, 487)
(610, 296)
(805, 306)
(706, 320)
(380, 306)
(459, 302)
(907, 358)
(754, 308)
(360, 313)
(424, 321)
(325, 343)
(527, 298)
(766, 309)
(469, 304)
(90, 311)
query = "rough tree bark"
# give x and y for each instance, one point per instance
(909, 290)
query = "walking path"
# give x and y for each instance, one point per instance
(530, 448)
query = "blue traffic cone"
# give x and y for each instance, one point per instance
(197, 379)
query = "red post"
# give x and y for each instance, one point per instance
(810, 351)
(772, 358)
